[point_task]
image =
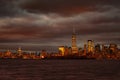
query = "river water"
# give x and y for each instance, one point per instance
(59, 69)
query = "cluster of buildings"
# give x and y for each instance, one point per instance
(89, 51)
(19, 54)
(92, 51)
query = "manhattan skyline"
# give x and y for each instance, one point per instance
(36, 23)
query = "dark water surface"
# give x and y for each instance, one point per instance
(59, 70)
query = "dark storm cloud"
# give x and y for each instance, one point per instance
(21, 29)
(66, 7)
(51, 22)
(8, 8)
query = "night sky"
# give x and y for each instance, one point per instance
(35, 23)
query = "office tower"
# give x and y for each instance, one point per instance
(8, 53)
(66, 51)
(69, 51)
(113, 48)
(62, 50)
(97, 48)
(103, 48)
(85, 49)
(19, 51)
(74, 46)
(90, 46)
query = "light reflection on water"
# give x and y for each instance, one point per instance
(59, 70)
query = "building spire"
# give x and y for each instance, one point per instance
(73, 30)
(19, 48)
(74, 46)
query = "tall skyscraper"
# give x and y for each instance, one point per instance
(85, 49)
(62, 50)
(90, 46)
(74, 46)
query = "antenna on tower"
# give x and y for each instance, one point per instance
(73, 30)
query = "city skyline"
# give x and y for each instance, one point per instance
(36, 23)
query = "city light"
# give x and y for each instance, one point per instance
(90, 51)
